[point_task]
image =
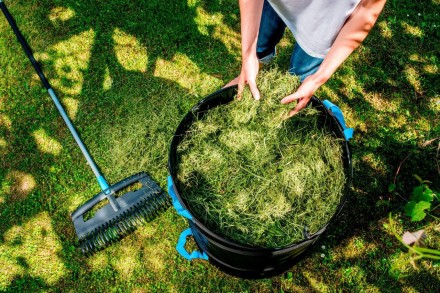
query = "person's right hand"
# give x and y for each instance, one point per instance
(248, 75)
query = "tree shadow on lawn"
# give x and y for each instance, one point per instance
(28, 283)
(169, 30)
(166, 31)
(154, 25)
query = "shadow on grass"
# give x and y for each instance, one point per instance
(27, 283)
(398, 68)
(155, 27)
(166, 31)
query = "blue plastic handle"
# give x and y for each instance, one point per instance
(181, 247)
(176, 203)
(348, 132)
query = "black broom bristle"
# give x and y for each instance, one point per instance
(115, 229)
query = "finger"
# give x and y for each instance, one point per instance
(232, 82)
(254, 90)
(293, 112)
(289, 99)
(301, 105)
(240, 90)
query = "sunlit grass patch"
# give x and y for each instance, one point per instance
(435, 104)
(5, 121)
(204, 20)
(412, 30)
(129, 52)
(316, 284)
(108, 80)
(127, 261)
(47, 144)
(3, 143)
(70, 59)
(21, 184)
(356, 248)
(77, 198)
(375, 162)
(31, 249)
(71, 106)
(353, 276)
(413, 77)
(352, 84)
(61, 14)
(2, 198)
(380, 103)
(185, 72)
(154, 257)
(385, 30)
(212, 25)
(98, 262)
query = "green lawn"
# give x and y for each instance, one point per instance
(127, 72)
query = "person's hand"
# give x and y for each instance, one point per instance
(303, 94)
(248, 75)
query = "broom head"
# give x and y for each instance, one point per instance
(121, 214)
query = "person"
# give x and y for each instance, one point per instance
(326, 33)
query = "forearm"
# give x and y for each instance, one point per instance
(250, 15)
(354, 31)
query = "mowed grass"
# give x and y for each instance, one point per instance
(259, 179)
(126, 68)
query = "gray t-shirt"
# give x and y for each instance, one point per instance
(314, 23)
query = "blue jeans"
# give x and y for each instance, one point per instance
(270, 33)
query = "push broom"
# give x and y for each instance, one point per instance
(121, 214)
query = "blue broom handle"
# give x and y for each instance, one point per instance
(101, 180)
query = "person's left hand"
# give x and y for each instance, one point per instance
(303, 94)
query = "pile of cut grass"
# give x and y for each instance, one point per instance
(257, 178)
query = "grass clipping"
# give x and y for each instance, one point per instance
(256, 178)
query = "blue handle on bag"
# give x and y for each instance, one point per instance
(348, 132)
(181, 247)
(176, 204)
